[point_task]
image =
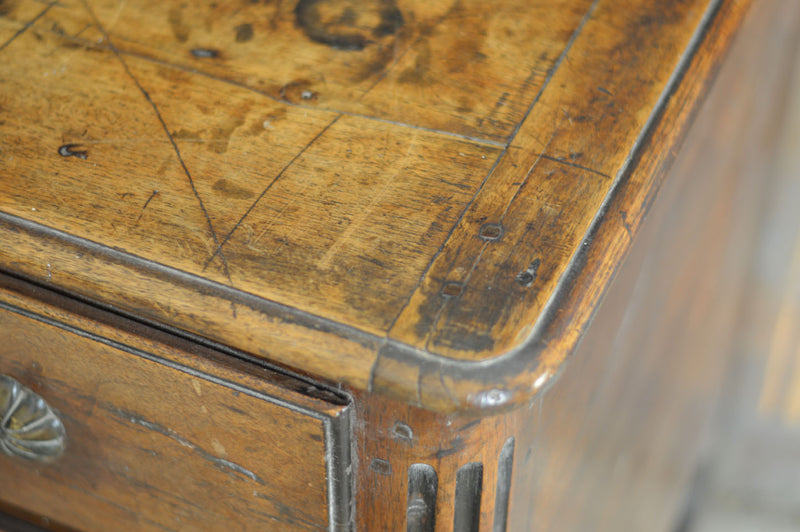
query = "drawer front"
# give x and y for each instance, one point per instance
(160, 438)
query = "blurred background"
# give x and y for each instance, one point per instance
(749, 479)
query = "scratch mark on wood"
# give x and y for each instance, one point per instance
(356, 224)
(568, 163)
(27, 25)
(447, 389)
(566, 114)
(455, 446)
(146, 203)
(220, 463)
(469, 425)
(152, 489)
(626, 224)
(218, 250)
(498, 104)
(78, 34)
(160, 118)
(460, 186)
(286, 515)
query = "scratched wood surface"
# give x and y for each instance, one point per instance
(376, 193)
(612, 446)
(153, 444)
(614, 443)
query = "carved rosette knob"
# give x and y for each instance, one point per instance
(29, 428)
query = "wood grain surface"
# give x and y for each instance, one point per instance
(614, 443)
(392, 437)
(166, 436)
(380, 193)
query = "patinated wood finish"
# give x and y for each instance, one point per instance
(163, 434)
(420, 202)
(377, 193)
(617, 441)
(613, 445)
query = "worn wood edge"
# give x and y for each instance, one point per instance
(249, 381)
(15, 520)
(86, 318)
(277, 333)
(385, 366)
(340, 464)
(519, 375)
(333, 409)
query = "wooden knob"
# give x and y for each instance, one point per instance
(29, 428)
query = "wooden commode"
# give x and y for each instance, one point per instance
(339, 264)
